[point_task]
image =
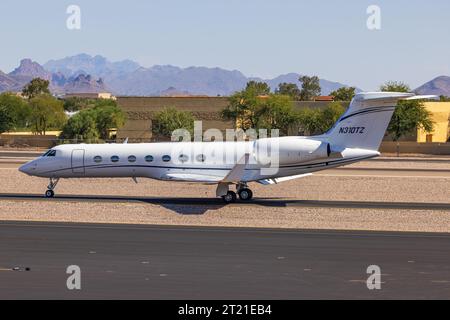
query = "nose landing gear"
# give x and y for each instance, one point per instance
(51, 186)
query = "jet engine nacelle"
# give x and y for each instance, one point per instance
(290, 150)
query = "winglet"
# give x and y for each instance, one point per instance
(235, 175)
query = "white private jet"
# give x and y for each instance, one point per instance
(356, 136)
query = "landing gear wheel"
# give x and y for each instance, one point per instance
(230, 197)
(49, 194)
(245, 194)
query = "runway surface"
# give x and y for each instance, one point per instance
(256, 202)
(157, 262)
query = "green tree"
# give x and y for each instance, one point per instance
(81, 126)
(289, 89)
(108, 117)
(310, 88)
(74, 104)
(36, 87)
(242, 109)
(15, 112)
(309, 120)
(95, 122)
(276, 112)
(258, 88)
(168, 120)
(395, 86)
(6, 119)
(330, 115)
(343, 94)
(443, 98)
(318, 121)
(46, 112)
(408, 115)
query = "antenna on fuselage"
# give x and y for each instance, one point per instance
(125, 141)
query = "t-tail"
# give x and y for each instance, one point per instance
(365, 122)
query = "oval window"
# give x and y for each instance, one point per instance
(115, 159)
(131, 159)
(166, 158)
(97, 159)
(149, 158)
(201, 158)
(183, 158)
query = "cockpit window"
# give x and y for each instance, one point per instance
(49, 153)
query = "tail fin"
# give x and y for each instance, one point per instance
(364, 123)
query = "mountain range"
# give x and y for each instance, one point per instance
(439, 86)
(85, 73)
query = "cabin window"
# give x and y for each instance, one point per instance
(97, 159)
(183, 158)
(131, 159)
(149, 158)
(166, 158)
(201, 158)
(115, 159)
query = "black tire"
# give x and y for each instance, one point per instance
(245, 194)
(49, 194)
(230, 197)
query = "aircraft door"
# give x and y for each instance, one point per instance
(78, 161)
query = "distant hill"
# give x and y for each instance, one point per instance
(84, 84)
(8, 83)
(97, 66)
(438, 86)
(86, 73)
(59, 82)
(129, 78)
(28, 70)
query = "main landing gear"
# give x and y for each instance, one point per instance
(51, 186)
(244, 193)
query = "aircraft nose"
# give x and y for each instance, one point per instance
(27, 168)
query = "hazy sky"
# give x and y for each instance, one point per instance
(260, 38)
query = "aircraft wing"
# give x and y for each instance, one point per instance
(190, 177)
(235, 175)
(284, 179)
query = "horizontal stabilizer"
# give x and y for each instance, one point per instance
(428, 97)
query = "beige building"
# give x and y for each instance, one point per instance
(87, 95)
(441, 115)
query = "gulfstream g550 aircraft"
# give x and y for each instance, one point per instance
(356, 136)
